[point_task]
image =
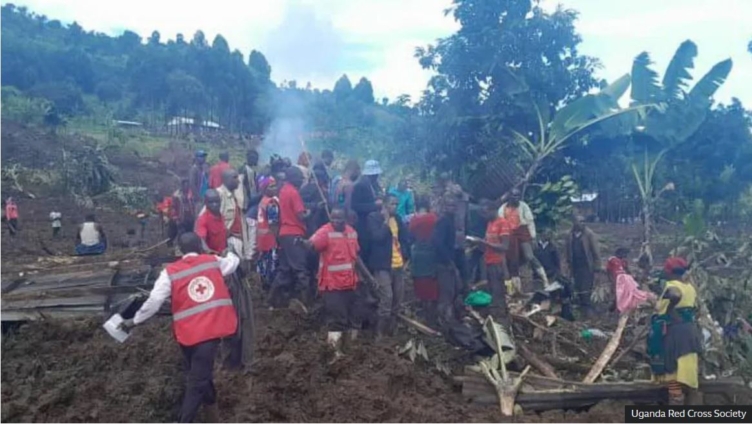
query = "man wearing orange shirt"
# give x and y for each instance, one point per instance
(495, 246)
(292, 274)
(215, 172)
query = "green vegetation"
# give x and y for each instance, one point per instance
(510, 104)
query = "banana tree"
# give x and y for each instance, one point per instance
(585, 112)
(645, 179)
(680, 113)
(683, 110)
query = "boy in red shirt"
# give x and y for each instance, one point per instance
(496, 243)
(210, 226)
(292, 274)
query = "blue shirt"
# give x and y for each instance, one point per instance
(405, 202)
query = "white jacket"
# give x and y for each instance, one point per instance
(526, 216)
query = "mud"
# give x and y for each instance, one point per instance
(72, 371)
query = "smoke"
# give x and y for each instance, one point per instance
(283, 137)
(290, 123)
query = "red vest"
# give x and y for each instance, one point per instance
(337, 260)
(201, 305)
(265, 239)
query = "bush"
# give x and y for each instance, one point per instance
(20, 108)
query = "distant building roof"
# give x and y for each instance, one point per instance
(584, 197)
(127, 123)
(182, 120)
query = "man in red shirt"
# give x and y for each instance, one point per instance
(292, 273)
(496, 243)
(210, 226)
(215, 172)
(337, 243)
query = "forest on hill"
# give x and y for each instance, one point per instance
(496, 88)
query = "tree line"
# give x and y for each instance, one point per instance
(507, 71)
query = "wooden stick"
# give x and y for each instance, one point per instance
(153, 247)
(359, 265)
(508, 393)
(544, 367)
(419, 326)
(608, 352)
(631, 346)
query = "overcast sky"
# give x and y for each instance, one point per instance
(319, 40)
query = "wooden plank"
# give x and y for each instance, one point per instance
(570, 394)
(9, 305)
(36, 315)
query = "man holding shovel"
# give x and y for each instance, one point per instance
(202, 314)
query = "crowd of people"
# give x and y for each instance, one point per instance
(350, 243)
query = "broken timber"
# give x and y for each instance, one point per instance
(542, 393)
(70, 291)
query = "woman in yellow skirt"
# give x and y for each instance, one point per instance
(674, 339)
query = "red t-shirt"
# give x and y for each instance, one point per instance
(215, 174)
(290, 205)
(495, 230)
(421, 226)
(211, 229)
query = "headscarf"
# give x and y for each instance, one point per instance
(266, 182)
(674, 264)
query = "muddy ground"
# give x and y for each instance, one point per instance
(72, 371)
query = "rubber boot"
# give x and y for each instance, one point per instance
(334, 339)
(381, 328)
(353, 335)
(542, 274)
(510, 287)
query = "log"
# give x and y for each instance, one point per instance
(609, 351)
(542, 393)
(43, 314)
(544, 367)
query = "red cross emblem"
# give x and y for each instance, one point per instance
(200, 289)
